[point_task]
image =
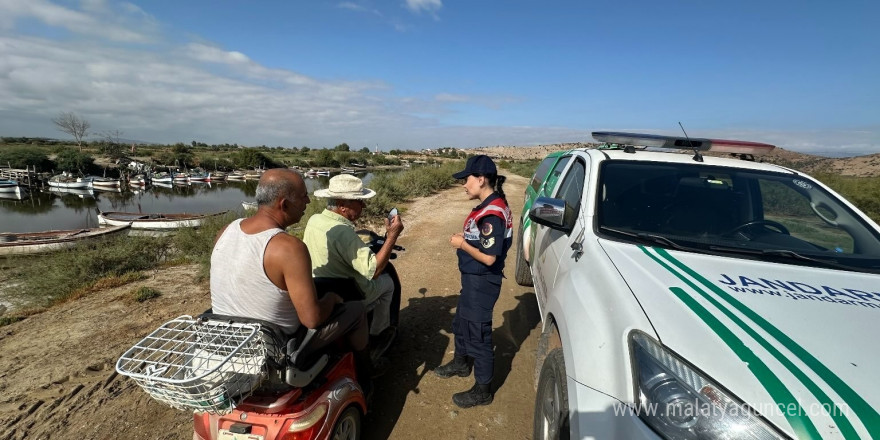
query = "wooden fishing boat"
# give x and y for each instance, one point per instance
(162, 177)
(8, 185)
(236, 176)
(21, 243)
(11, 189)
(198, 176)
(68, 181)
(138, 180)
(140, 220)
(314, 173)
(105, 183)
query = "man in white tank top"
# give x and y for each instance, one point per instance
(259, 271)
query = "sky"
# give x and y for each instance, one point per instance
(411, 74)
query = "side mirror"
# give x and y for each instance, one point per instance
(553, 213)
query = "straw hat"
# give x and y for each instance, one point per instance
(345, 186)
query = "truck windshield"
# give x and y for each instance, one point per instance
(719, 209)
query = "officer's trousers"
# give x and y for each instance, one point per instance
(472, 324)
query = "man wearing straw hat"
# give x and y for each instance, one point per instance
(338, 252)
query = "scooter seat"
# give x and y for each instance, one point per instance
(285, 350)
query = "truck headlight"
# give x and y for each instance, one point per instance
(681, 403)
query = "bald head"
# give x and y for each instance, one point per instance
(278, 183)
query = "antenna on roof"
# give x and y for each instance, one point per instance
(697, 156)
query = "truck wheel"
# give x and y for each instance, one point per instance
(551, 402)
(523, 275)
(348, 427)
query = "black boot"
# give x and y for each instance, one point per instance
(479, 394)
(458, 366)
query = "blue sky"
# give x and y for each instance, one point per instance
(435, 73)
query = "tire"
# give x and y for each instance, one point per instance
(551, 403)
(523, 273)
(348, 426)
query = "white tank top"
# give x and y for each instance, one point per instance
(239, 285)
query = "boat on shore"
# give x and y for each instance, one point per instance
(23, 243)
(140, 220)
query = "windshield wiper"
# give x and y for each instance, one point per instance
(787, 254)
(653, 238)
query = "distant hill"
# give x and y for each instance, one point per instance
(860, 166)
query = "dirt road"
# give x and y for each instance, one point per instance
(57, 375)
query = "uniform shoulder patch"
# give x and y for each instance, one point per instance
(487, 242)
(487, 228)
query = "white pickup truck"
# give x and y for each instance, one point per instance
(687, 296)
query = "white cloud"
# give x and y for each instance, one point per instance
(352, 6)
(430, 6)
(449, 97)
(202, 52)
(99, 20)
(159, 91)
(359, 8)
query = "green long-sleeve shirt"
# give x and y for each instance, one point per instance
(338, 252)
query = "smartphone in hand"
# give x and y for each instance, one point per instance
(392, 213)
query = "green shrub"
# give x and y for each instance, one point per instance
(6, 320)
(395, 189)
(864, 192)
(25, 157)
(63, 273)
(144, 293)
(524, 168)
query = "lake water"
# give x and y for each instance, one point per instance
(73, 209)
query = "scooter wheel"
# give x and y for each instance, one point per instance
(348, 426)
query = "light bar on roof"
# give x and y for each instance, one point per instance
(740, 147)
(683, 143)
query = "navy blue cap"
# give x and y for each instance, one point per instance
(481, 164)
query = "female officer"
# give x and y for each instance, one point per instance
(481, 249)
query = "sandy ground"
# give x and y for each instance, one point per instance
(57, 376)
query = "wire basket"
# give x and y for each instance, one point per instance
(206, 366)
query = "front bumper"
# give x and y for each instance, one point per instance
(595, 415)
